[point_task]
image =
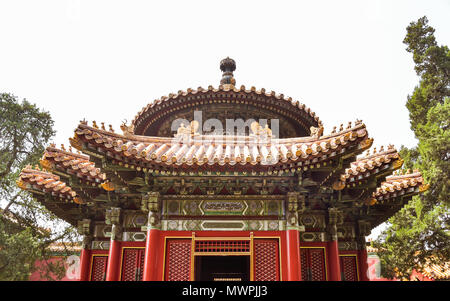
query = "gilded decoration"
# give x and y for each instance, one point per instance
(223, 225)
(290, 176)
(313, 221)
(347, 245)
(218, 206)
(313, 236)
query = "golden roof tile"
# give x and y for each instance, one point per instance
(400, 184)
(372, 163)
(210, 150)
(164, 102)
(72, 163)
(33, 179)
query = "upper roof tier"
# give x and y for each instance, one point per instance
(210, 151)
(225, 102)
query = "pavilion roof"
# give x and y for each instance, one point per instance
(165, 105)
(209, 150)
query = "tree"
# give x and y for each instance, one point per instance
(419, 234)
(24, 223)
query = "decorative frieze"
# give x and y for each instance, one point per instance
(100, 245)
(134, 236)
(223, 225)
(102, 230)
(313, 236)
(189, 207)
(315, 221)
(347, 245)
(134, 219)
(346, 231)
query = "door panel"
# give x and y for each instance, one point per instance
(133, 264)
(313, 264)
(266, 260)
(349, 267)
(178, 260)
(98, 269)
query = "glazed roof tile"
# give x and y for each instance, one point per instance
(209, 150)
(400, 184)
(371, 164)
(72, 163)
(163, 102)
(436, 271)
(35, 179)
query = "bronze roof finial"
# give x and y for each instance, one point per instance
(227, 66)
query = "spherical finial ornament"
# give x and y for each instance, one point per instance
(227, 66)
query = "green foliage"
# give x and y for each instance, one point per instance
(420, 232)
(24, 223)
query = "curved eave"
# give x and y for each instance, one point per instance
(377, 164)
(285, 106)
(37, 181)
(55, 159)
(400, 185)
(210, 152)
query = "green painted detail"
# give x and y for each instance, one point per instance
(223, 207)
(230, 225)
(209, 207)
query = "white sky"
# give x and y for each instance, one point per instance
(105, 60)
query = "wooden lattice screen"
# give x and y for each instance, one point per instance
(222, 246)
(313, 264)
(266, 260)
(133, 264)
(98, 269)
(178, 260)
(349, 267)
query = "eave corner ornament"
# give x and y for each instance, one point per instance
(128, 131)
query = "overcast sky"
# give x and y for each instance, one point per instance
(105, 60)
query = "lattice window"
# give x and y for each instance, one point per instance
(219, 246)
(133, 264)
(98, 271)
(349, 267)
(304, 263)
(313, 264)
(178, 260)
(266, 260)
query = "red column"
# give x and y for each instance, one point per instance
(84, 264)
(151, 260)
(112, 271)
(364, 267)
(293, 255)
(333, 259)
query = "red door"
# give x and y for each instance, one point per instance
(313, 264)
(178, 260)
(266, 260)
(349, 268)
(98, 268)
(133, 264)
